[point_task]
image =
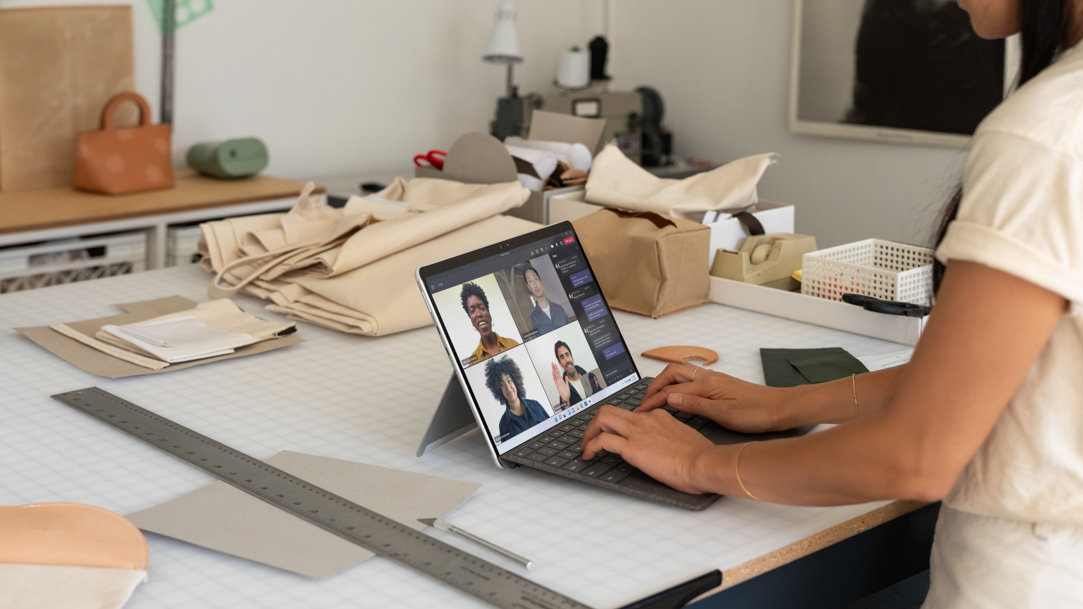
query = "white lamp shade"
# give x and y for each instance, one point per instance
(503, 44)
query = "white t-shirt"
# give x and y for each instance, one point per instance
(1022, 213)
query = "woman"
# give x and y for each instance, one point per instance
(505, 381)
(988, 414)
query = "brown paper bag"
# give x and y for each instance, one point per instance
(59, 65)
(647, 263)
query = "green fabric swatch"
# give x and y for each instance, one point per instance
(790, 367)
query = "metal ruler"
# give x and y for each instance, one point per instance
(366, 528)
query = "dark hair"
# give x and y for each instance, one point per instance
(556, 348)
(531, 268)
(494, 369)
(472, 289)
(1044, 28)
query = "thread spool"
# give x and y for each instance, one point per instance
(574, 71)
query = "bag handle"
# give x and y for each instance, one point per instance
(751, 223)
(119, 98)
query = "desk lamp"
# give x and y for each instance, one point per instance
(503, 48)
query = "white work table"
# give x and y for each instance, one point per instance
(369, 400)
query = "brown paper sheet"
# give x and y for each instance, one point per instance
(221, 517)
(96, 362)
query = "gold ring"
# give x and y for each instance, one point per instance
(694, 371)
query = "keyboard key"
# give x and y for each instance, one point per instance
(556, 461)
(597, 469)
(576, 465)
(615, 475)
(548, 451)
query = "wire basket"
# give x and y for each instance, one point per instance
(63, 261)
(873, 267)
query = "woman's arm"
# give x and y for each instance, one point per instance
(928, 419)
(754, 408)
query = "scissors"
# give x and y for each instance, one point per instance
(886, 306)
(432, 158)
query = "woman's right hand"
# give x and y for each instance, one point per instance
(729, 401)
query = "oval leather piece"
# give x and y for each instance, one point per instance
(70, 534)
(682, 353)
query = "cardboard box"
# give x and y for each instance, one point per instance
(479, 158)
(59, 65)
(727, 234)
(818, 311)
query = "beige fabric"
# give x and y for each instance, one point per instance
(616, 181)
(352, 269)
(997, 563)
(52, 586)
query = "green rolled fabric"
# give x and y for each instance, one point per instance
(229, 159)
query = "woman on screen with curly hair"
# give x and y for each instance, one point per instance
(505, 380)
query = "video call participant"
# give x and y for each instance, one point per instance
(476, 306)
(505, 381)
(574, 383)
(547, 315)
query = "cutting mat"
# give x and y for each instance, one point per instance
(370, 400)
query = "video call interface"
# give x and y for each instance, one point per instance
(557, 347)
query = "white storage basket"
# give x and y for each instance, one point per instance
(182, 244)
(65, 261)
(873, 267)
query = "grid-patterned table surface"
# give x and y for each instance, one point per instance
(370, 400)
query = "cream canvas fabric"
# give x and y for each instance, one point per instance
(616, 181)
(351, 269)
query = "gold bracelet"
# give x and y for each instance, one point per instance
(853, 383)
(737, 469)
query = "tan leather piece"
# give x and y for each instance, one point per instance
(70, 534)
(682, 354)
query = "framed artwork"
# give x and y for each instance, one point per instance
(908, 71)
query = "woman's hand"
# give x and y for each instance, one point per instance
(656, 443)
(729, 401)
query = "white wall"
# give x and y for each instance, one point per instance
(343, 86)
(359, 86)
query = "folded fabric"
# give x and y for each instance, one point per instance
(791, 367)
(616, 181)
(68, 555)
(352, 269)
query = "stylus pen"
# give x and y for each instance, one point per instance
(446, 526)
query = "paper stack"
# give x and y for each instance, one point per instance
(208, 330)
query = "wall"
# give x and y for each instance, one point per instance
(359, 86)
(722, 67)
(344, 86)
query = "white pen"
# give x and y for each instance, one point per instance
(447, 526)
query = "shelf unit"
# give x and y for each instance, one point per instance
(27, 219)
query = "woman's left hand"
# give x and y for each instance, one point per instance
(655, 442)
